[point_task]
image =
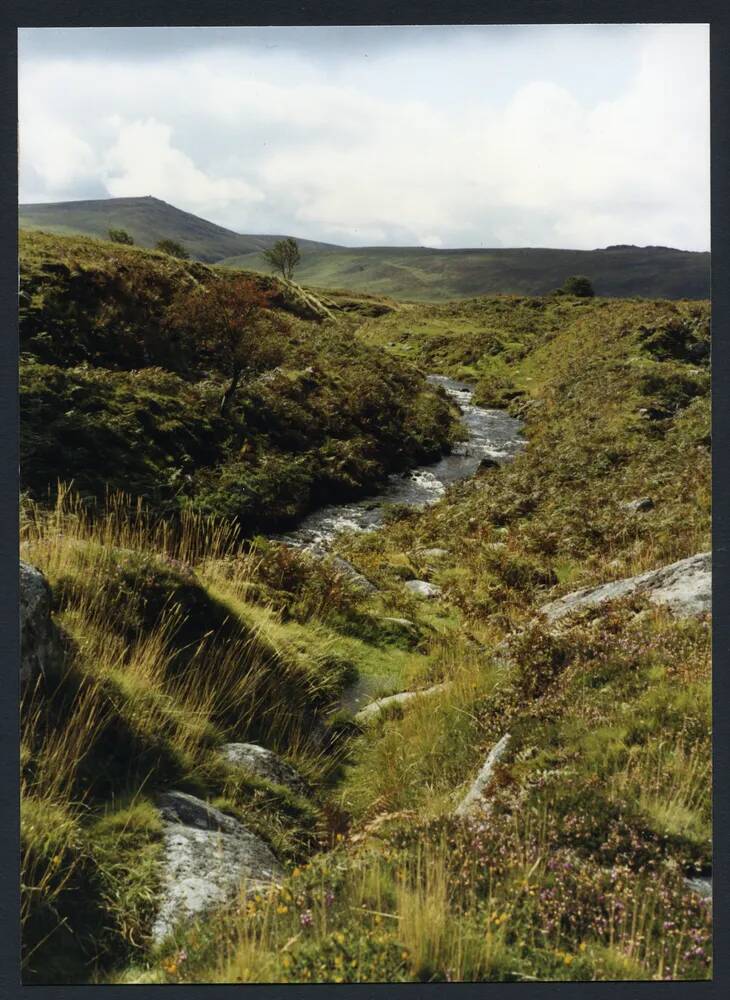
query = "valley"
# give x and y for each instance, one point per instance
(420, 274)
(390, 506)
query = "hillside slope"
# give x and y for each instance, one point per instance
(147, 220)
(178, 642)
(115, 394)
(421, 274)
(412, 273)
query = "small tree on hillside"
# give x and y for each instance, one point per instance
(230, 319)
(577, 285)
(284, 256)
(173, 248)
(121, 236)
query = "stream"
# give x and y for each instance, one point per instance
(492, 434)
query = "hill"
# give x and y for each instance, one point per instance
(411, 273)
(147, 220)
(422, 274)
(107, 364)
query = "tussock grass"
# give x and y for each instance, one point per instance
(162, 666)
(181, 638)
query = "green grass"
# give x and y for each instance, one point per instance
(147, 220)
(426, 275)
(115, 397)
(183, 634)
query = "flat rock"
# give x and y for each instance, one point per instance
(684, 586)
(433, 553)
(374, 709)
(356, 578)
(41, 646)
(421, 588)
(473, 801)
(401, 624)
(265, 764)
(638, 506)
(209, 858)
(404, 622)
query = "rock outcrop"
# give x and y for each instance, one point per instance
(208, 859)
(684, 586)
(265, 764)
(421, 588)
(473, 801)
(374, 709)
(41, 646)
(358, 581)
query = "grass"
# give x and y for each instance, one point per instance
(185, 632)
(146, 695)
(421, 274)
(147, 220)
(115, 397)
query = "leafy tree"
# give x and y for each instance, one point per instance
(121, 236)
(173, 248)
(231, 320)
(577, 285)
(284, 256)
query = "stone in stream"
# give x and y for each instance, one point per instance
(208, 859)
(374, 709)
(421, 588)
(473, 801)
(41, 645)
(265, 764)
(684, 586)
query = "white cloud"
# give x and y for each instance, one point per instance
(144, 161)
(504, 149)
(58, 157)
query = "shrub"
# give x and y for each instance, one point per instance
(173, 248)
(577, 285)
(121, 236)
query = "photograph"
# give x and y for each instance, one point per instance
(365, 504)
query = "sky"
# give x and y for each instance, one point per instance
(575, 136)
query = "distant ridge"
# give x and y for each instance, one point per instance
(418, 273)
(147, 220)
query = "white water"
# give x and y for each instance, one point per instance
(491, 434)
